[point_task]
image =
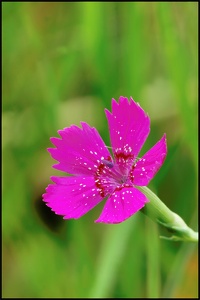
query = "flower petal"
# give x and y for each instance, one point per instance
(150, 163)
(121, 205)
(72, 196)
(79, 151)
(129, 126)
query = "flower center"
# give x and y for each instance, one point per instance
(114, 175)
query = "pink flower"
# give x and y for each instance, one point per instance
(97, 174)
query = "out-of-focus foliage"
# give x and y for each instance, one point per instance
(62, 64)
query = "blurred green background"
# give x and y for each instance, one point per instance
(62, 64)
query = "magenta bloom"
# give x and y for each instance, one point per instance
(98, 174)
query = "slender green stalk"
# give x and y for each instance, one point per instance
(113, 248)
(153, 261)
(161, 214)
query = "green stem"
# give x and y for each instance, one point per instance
(153, 260)
(111, 255)
(161, 214)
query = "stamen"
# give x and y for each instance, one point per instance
(107, 163)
